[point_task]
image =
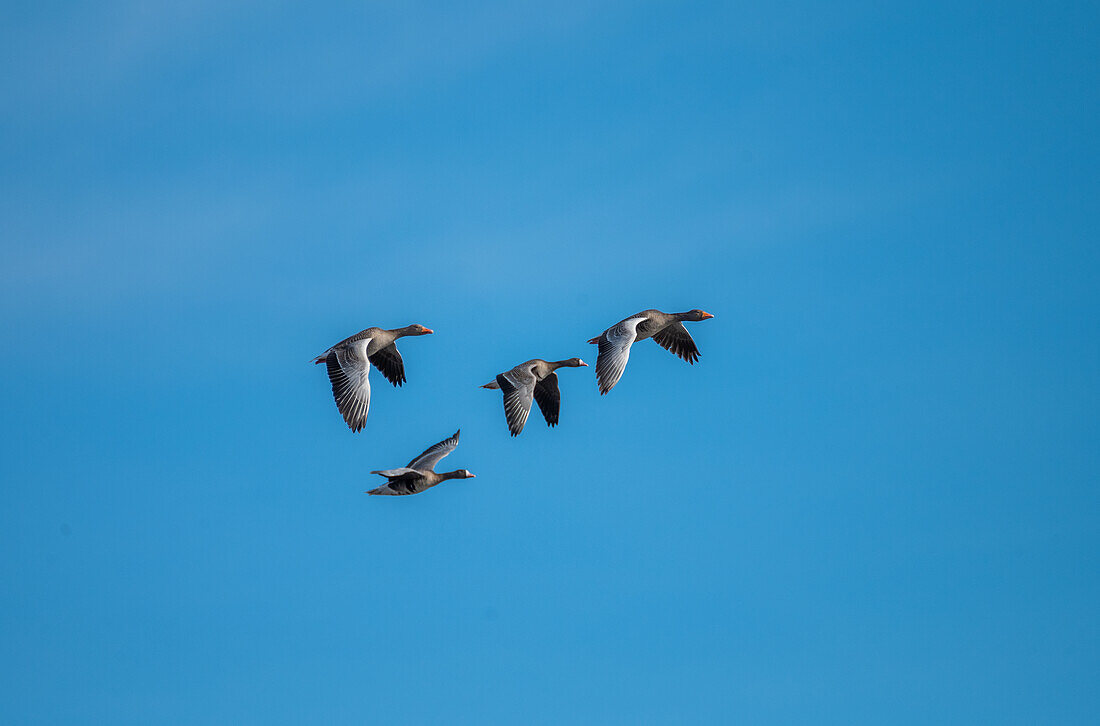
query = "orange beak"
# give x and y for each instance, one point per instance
(707, 316)
(429, 331)
(584, 364)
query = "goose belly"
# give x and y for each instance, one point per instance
(647, 329)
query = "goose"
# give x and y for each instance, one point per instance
(534, 379)
(666, 329)
(348, 369)
(420, 473)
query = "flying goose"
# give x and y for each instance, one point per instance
(348, 369)
(420, 473)
(666, 329)
(534, 379)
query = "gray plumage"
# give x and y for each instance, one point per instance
(666, 329)
(420, 474)
(534, 380)
(349, 362)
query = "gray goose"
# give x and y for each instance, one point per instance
(348, 369)
(420, 473)
(666, 329)
(536, 380)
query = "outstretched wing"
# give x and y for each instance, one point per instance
(548, 397)
(388, 361)
(435, 452)
(348, 370)
(676, 340)
(402, 473)
(615, 352)
(350, 341)
(518, 387)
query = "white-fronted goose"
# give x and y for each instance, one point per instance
(666, 329)
(536, 380)
(347, 368)
(420, 472)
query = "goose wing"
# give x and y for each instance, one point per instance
(366, 333)
(548, 397)
(675, 339)
(347, 370)
(518, 386)
(615, 352)
(389, 363)
(404, 472)
(435, 452)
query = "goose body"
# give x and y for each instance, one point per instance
(349, 363)
(666, 329)
(420, 475)
(534, 380)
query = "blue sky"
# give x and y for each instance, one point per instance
(874, 500)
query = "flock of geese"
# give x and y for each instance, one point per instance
(536, 380)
